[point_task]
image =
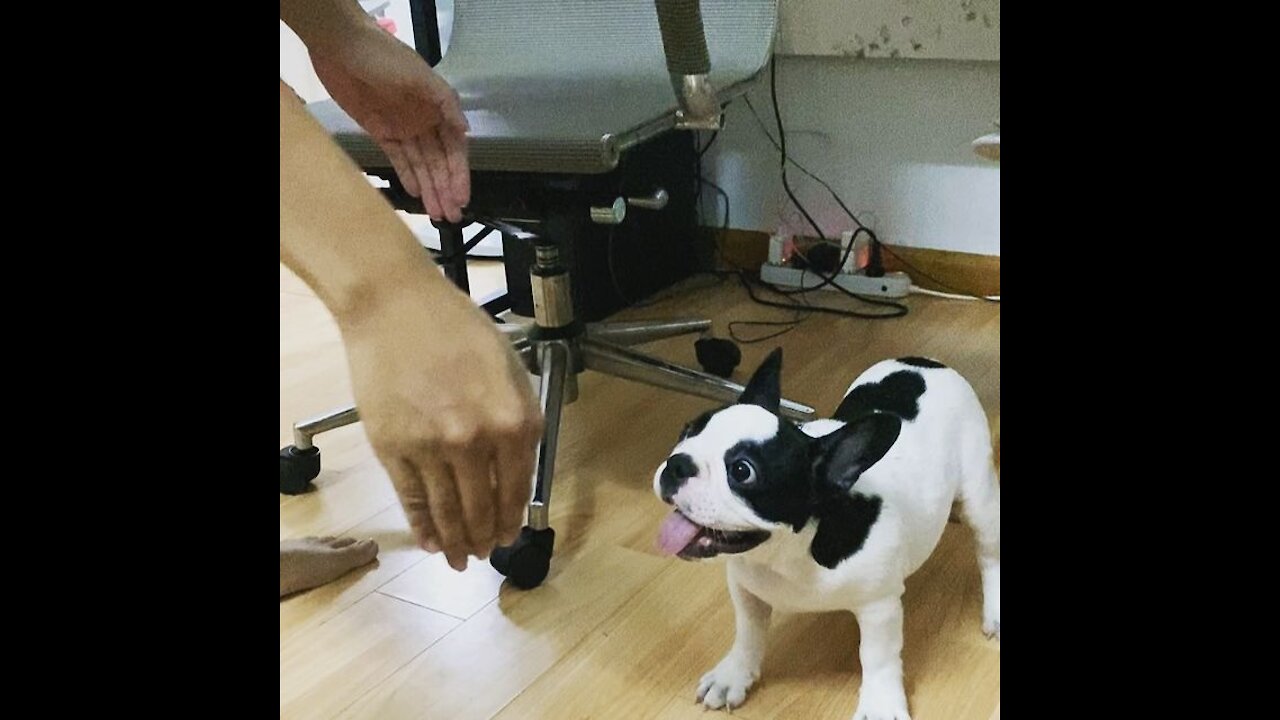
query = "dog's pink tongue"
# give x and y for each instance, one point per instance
(676, 533)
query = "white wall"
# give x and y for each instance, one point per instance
(891, 136)
(295, 67)
(934, 29)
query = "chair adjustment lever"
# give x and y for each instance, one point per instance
(612, 214)
(655, 201)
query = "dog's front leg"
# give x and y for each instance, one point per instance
(729, 682)
(883, 696)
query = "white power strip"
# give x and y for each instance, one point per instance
(892, 285)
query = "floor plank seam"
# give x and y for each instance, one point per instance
(391, 579)
(588, 635)
(566, 670)
(347, 530)
(406, 663)
(373, 590)
(428, 607)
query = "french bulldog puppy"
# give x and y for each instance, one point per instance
(833, 514)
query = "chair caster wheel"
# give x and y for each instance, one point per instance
(526, 561)
(297, 469)
(717, 356)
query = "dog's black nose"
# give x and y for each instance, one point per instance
(679, 468)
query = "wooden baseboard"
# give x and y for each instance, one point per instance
(740, 249)
(948, 271)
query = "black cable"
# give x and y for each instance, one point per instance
(898, 309)
(860, 227)
(697, 176)
(781, 145)
(613, 274)
(801, 312)
(697, 164)
(699, 180)
(788, 326)
(714, 134)
(782, 140)
(724, 225)
(800, 309)
(801, 168)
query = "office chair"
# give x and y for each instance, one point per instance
(556, 91)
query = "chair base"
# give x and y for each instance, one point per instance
(557, 349)
(602, 347)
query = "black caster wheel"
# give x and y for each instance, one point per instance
(525, 562)
(297, 469)
(717, 356)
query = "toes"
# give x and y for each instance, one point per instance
(736, 696)
(341, 542)
(723, 688)
(356, 553)
(311, 562)
(366, 549)
(881, 715)
(715, 697)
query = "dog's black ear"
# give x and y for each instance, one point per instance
(842, 456)
(765, 387)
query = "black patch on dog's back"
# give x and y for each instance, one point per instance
(844, 522)
(897, 393)
(923, 362)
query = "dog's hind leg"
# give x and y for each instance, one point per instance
(727, 684)
(980, 492)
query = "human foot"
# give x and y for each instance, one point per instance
(313, 561)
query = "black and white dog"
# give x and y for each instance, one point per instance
(834, 514)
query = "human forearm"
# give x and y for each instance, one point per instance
(444, 401)
(336, 231)
(408, 110)
(320, 23)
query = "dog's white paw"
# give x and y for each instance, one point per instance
(882, 704)
(727, 684)
(991, 626)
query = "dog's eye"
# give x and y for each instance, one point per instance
(742, 472)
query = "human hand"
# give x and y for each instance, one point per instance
(408, 110)
(450, 413)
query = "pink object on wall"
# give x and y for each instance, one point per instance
(387, 24)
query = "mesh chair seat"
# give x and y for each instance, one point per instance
(565, 86)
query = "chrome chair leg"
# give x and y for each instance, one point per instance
(634, 333)
(638, 367)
